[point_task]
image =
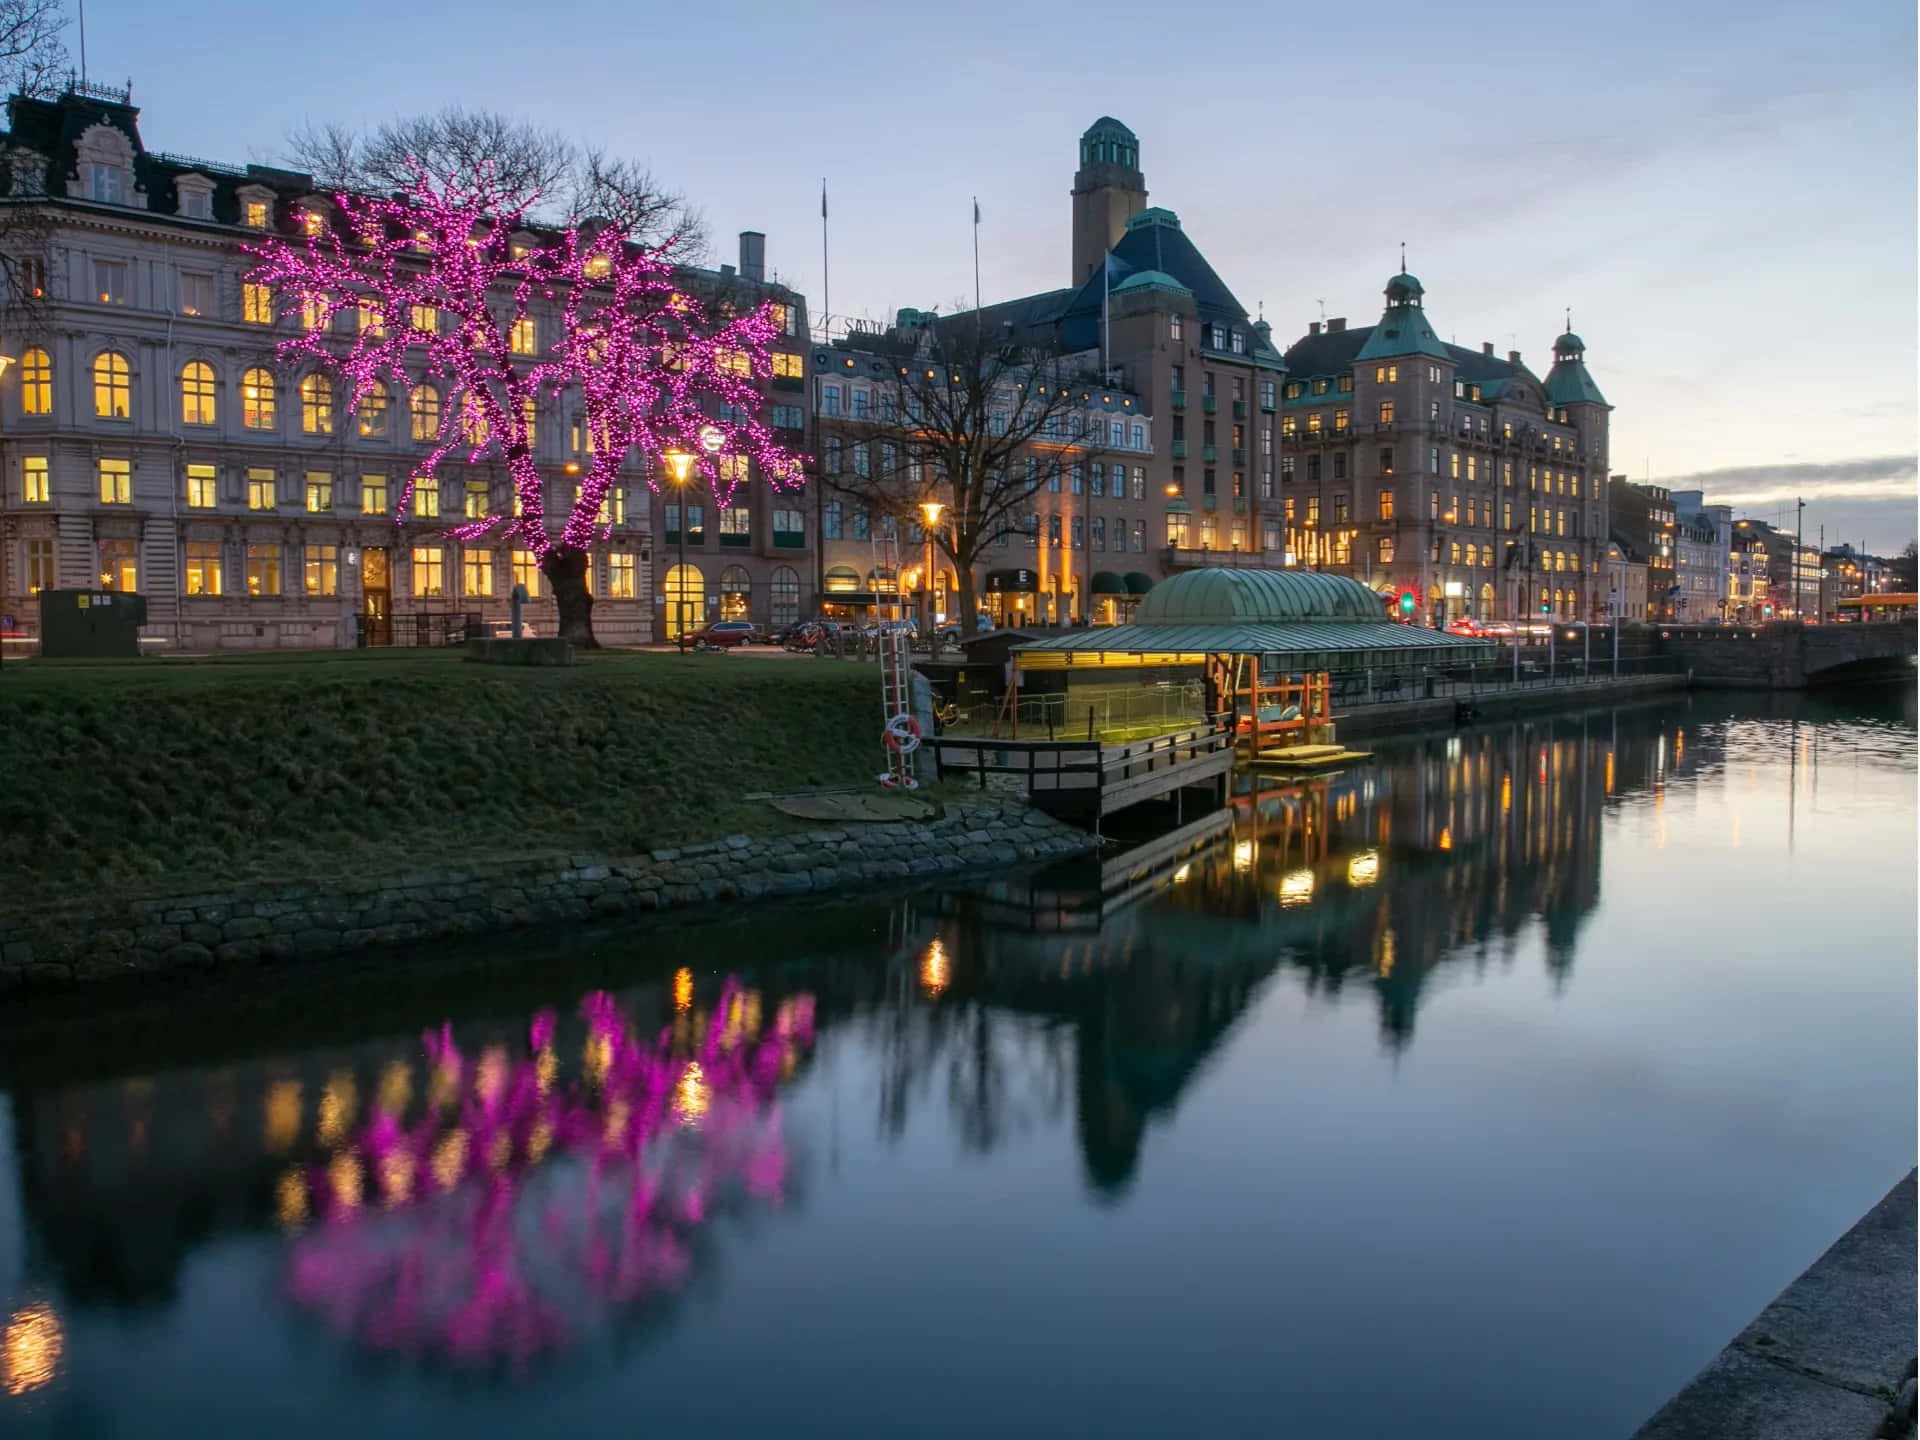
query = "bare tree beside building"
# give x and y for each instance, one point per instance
(972, 420)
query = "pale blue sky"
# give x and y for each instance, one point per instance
(1724, 194)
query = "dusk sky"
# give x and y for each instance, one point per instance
(1723, 195)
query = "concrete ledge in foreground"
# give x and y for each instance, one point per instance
(1830, 1359)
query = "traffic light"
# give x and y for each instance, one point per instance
(1546, 607)
(1407, 602)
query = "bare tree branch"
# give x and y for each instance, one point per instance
(33, 60)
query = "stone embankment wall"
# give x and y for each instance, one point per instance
(91, 940)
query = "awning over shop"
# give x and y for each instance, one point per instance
(1105, 582)
(843, 579)
(1013, 582)
(1138, 583)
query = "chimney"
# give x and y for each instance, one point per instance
(1513, 357)
(1335, 326)
(1486, 347)
(1313, 327)
(753, 255)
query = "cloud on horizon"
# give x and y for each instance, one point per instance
(1886, 477)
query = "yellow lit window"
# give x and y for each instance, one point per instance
(373, 494)
(787, 367)
(473, 424)
(116, 482)
(373, 411)
(313, 312)
(1386, 504)
(731, 470)
(203, 488)
(117, 568)
(426, 498)
(733, 360)
(36, 383)
(203, 567)
(256, 304)
(525, 336)
(256, 214)
(39, 566)
(530, 419)
(263, 570)
(256, 396)
(424, 319)
(426, 413)
(476, 502)
(477, 573)
(620, 570)
(1454, 461)
(35, 489)
(1339, 420)
(372, 322)
(263, 492)
(319, 492)
(429, 571)
(526, 571)
(112, 392)
(1386, 412)
(196, 394)
(598, 267)
(1313, 423)
(323, 570)
(316, 405)
(313, 222)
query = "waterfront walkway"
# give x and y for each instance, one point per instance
(1831, 1357)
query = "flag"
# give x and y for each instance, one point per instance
(823, 199)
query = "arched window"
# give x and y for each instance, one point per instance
(36, 383)
(686, 600)
(736, 593)
(785, 593)
(256, 399)
(473, 423)
(426, 413)
(196, 393)
(316, 405)
(112, 388)
(373, 411)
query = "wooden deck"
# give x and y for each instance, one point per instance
(1082, 780)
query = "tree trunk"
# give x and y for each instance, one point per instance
(969, 606)
(566, 571)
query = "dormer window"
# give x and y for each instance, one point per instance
(106, 184)
(312, 223)
(256, 214)
(1238, 343)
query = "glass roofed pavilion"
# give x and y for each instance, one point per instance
(1257, 645)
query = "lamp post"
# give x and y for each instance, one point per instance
(930, 511)
(680, 465)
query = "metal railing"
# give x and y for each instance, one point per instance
(1354, 688)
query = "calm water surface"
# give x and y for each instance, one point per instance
(1484, 1090)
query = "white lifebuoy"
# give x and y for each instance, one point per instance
(903, 734)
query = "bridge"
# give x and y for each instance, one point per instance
(1790, 656)
(1082, 780)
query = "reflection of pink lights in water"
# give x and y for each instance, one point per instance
(516, 1210)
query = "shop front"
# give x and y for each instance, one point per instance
(1011, 597)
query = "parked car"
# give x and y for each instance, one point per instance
(720, 635)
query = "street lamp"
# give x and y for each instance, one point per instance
(930, 511)
(680, 466)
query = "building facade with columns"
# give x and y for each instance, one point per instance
(152, 441)
(1456, 482)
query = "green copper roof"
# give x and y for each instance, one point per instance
(1151, 280)
(1403, 330)
(1568, 383)
(1153, 215)
(1225, 596)
(1404, 287)
(1315, 644)
(1106, 127)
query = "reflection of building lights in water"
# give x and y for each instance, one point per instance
(539, 1141)
(933, 968)
(34, 1346)
(1446, 839)
(1180, 875)
(1383, 962)
(291, 1199)
(691, 1095)
(339, 1102)
(1609, 772)
(615, 1129)
(1364, 868)
(344, 1178)
(1679, 745)
(283, 1114)
(599, 1054)
(1296, 887)
(683, 989)
(396, 1177)
(490, 1077)
(1506, 794)
(449, 1159)
(396, 1088)
(545, 1066)
(1243, 854)
(446, 1082)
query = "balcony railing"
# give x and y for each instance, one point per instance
(1240, 459)
(1179, 449)
(1209, 453)
(1209, 403)
(1178, 400)
(1239, 409)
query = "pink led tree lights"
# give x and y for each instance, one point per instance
(516, 1210)
(445, 285)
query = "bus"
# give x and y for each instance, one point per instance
(1894, 606)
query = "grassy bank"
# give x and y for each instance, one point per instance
(160, 777)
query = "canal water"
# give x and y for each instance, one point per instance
(1482, 1090)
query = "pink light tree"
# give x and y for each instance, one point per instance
(448, 285)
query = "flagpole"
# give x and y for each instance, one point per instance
(826, 293)
(813, 423)
(1106, 316)
(976, 256)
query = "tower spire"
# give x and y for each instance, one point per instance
(1403, 257)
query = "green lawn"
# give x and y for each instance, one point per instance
(160, 776)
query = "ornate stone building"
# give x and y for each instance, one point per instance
(1455, 482)
(150, 441)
